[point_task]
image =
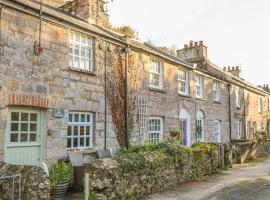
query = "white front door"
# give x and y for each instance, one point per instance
(24, 137)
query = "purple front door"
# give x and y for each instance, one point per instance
(184, 132)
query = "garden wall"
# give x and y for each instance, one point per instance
(139, 174)
(250, 150)
(35, 183)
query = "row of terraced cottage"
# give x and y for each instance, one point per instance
(52, 100)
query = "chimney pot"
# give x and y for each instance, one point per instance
(229, 68)
(233, 68)
(237, 67)
(201, 43)
(185, 46)
(224, 69)
(196, 44)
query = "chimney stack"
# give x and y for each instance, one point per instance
(193, 52)
(234, 70)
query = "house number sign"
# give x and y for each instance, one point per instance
(58, 112)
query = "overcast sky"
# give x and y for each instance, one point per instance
(237, 32)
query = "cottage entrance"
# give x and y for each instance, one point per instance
(185, 127)
(23, 138)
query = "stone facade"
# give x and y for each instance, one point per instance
(50, 77)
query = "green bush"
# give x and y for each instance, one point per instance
(59, 173)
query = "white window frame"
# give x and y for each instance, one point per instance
(199, 85)
(238, 97)
(79, 124)
(247, 129)
(200, 122)
(83, 45)
(156, 70)
(239, 129)
(260, 104)
(183, 80)
(153, 134)
(217, 129)
(216, 91)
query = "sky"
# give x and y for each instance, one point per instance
(236, 32)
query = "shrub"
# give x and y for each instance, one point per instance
(60, 172)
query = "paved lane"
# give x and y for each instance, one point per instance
(244, 182)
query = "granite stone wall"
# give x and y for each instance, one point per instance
(138, 175)
(35, 184)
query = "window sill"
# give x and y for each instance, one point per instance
(200, 98)
(82, 71)
(217, 102)
(184, 95)
(157, 89)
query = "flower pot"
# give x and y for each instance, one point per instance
(174, 133)
(60, 189)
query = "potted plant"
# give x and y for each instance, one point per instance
(60, 177)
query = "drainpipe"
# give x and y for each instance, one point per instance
(127, 51)
(105, 97)
(244, 123)
(230, 112)
(40, 22)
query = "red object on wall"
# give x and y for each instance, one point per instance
(28, 100)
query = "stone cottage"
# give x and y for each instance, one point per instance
(52, 69)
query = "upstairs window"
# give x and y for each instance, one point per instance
(156, 74)
(216, 91)
(183, 81)
(199, 86)
(260, 104)
(238, 98)
(80, 51)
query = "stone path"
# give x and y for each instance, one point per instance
(246, 182)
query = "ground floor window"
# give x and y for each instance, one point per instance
(247, 129)
(80, 130)
(217, 127)
(155, 129)
(200, 126)
(239, 129)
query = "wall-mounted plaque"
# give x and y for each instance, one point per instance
(58, 112)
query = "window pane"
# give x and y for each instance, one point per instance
(33, 117)
(24, 116)
(76, 117)
(75, 130)
(69, 143)
(81, 142)
(77, 37)
(24, 137)
(69, 131)
(14, 137)
(82, 63)
(82, 117)
(88, 118)
(33, 137)
(15, 116)
(88, 130)
(75, 142)
(14, 127)
(24, 127)
(70, 118)
(81, 130)
(87, 142)
(33, 127)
